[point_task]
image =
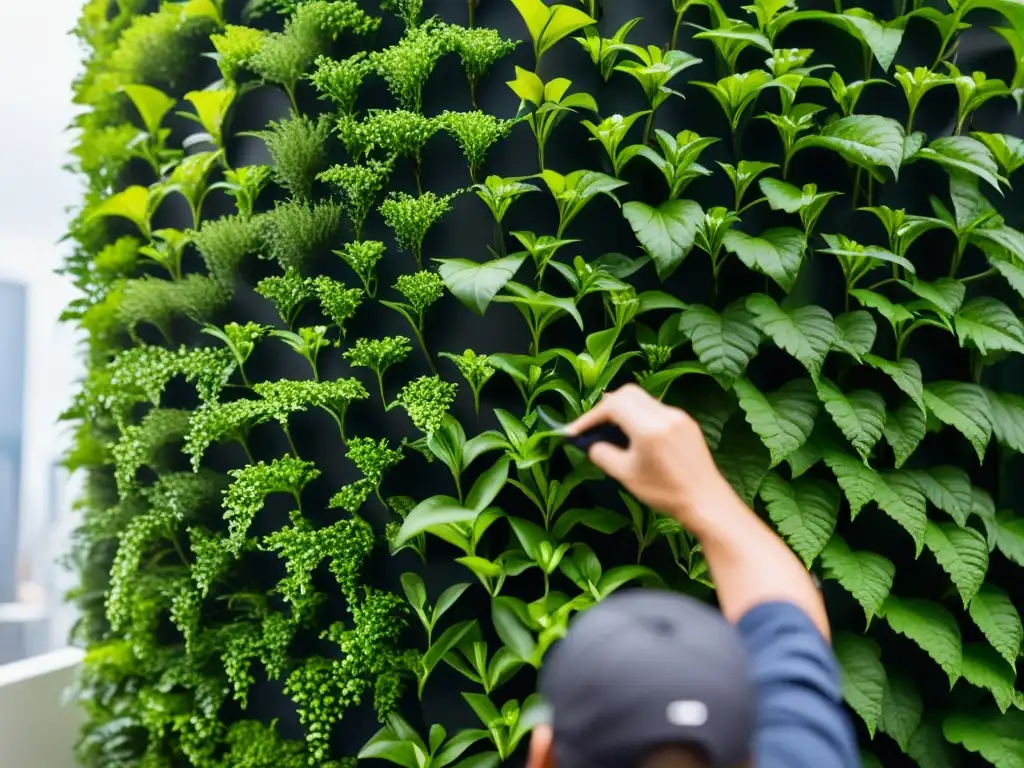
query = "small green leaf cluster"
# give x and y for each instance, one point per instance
(427, 400)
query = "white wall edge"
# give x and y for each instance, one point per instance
(40, 666)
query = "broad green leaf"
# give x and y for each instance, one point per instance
(415, 590)
(931, 627)
(742, 459)
(869, 761)
(549, 24)
(152, 105)
(882, 38)
(996, 737)
(131, 203)
(1009, 536)
(949, 489)
(995, 615)
(866, 140)
(807, 455)
(598, 519)
(985, 668)
(782, 196)
(962, 553)
(985, 510)
(858, 482)
(905, 374)
(1007, 419)
(964, 407)
(782, 419)
(666, 232)
(945, 293)
(864, 679)
(725, 343)
(860, 415)
(1008, 150)
(894, 313)
(902, 708)
(806, 333)
(511, 630)
(901, 498)
(432, 513)
(488, 485)
(855, 333)
(866, 575)
(990, 325)
(963, 153)
(776, 253)
(712, 408)
(929, 747)
(211, 110)
(904, 430)
(476, 284)
(804, 511)
(1011, 267)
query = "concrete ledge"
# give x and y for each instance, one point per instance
(36, 729)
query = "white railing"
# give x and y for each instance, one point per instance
(36, 729)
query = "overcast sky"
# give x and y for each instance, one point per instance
(38, 61)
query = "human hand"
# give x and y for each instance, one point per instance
(667, 465)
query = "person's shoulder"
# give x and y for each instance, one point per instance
(777, 621)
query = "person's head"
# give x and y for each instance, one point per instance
(646, 679)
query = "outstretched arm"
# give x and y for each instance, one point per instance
(669, 467)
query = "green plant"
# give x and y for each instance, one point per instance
(547, 104)
(410, 218)
(475, 369)
(295, 231)
(426, 400)
(476, 132)
(653, 69)
(420, 290)
(289, 293)
(378, 355)
(363, 256)
(360, 185)
(298, 146)
(548, 25)
(479, 49)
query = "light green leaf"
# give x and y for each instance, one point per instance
(964, 407)
(990, 325)
(860, 415)
(782, 196)
(1011, 267)
(864, 679)
(866, 575)
(806, 333)
(963, 153)
(905, 374)
(894, 313)
(488, 485)
(931, 627)
(962, 553)
(666, 232)
(804, 511)
(901, 498)
(996, 737)
(866, 140)
(725, 343)
(777, 253)
(855, 333)
(1009, 536)
(904, 430)
(152, 105)
(547, 25)
(476, 284)
(857, 481)
(902, 708)
(211, 110)
(432, 513)
(986, 669)
(782, 419)
(1007, 419)
(945, 293)
(949, 489)
(995, 615)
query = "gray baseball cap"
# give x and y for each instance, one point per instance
(645, 669)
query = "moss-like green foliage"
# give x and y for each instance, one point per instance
(359, 185)
(236, 47)
(340, 81)
(224, 244)
(407, 65)
(299, 148)
(160, 49)
(411, 217)
(476, 133)
(289, 293)
(296, 231)
(427, 400)
(159, 302)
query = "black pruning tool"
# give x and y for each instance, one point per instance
(602, 433)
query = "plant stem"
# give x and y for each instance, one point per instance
(648, 125)
(547, 582)
(458, 486)
(472, 12)
(423, 348)
(839, 6)
(957, 257)
(856, 187)
(298, 499)
(341, 425)
(880, 283)
(245, 379)
(675, 28)
(979, 276)
(380, 387)
(245, 447)
(291, 443)
(178, 549)
(476, 400)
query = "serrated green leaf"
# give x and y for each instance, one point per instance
(863, 674)
(989, 325)
(807, 333)
(995, 615)
(742, 459)
(904, 430)
(999, 738)
(905, 374)
(782, 419)
(804, 511)
(931, 627)
(866, 575)
(666, 232)
(949, 489)
(893, 313)
(964, 407)
(869, 141)
(476, 284)
(857, 481)
(929, 748)
(963, 154)
(898, 495)
(1007, 419)
(725, 343)
(859, 415)
(902, 708)
(962, 553)
(1010, 266)
(946, 294)
(776, 253)
(855, 333)
(1009, 536)
(985, 668)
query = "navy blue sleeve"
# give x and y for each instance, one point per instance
(801, 719)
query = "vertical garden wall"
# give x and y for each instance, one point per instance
(333, 255)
